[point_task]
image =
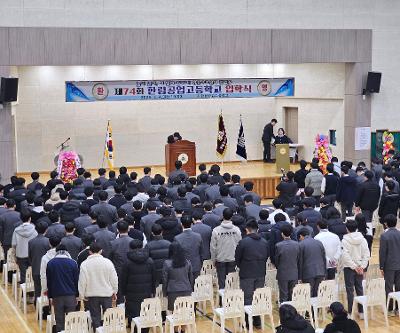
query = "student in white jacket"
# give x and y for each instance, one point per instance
(355, 258)
(98, 283)
(332, 246)
(50, 254)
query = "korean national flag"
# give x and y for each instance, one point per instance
(241, 143)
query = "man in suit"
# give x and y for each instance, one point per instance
(251, 255)
(82, 221)
(118, 199)
(8, 222)
(55, 229)
(35, 186)
(146, 180)
(210, 218)
(268, 135)
(200, 189)
(181, 202)
(287, 258)
(104, 237)
(389, 249)
(72, 243)
(192, 245)
(287, 190)
(204, 231)
(312, 267)
(226, 199)
(37, 248)
(102, 176)
(212, 192)
(104, 208)
(147, 221)
(236, 190)
(310, 215)
(178, 172)
(249, 191)
(276, 234)
(252, 210)
(119, 252)
(346, 192)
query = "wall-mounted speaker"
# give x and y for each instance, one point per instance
(8, 89)
(373, 82)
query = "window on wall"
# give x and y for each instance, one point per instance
(332, 137)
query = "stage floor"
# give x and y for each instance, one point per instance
(263, 175)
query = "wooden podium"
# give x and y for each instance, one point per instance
(184, 151)
(282, 157)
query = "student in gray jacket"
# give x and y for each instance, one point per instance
(204, 231)
(312, 261)
(37, 248)
(389, 249)
(103, 236)
(177, 275)
(287, 258)
(224, 240)
(192, 245)
(72, 243)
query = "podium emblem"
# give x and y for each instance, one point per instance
(282, 151)
(184, 158)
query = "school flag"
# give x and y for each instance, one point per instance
(222, 139)
(241, 142)
(109, 148)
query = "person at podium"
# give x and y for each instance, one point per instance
(282, 138)
(174, 138)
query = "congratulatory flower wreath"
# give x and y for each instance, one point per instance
(68, 163)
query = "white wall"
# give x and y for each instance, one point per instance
(140, 128)
(382, 16)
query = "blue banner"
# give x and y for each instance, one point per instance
(92, 91)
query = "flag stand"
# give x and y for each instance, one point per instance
(105, 144)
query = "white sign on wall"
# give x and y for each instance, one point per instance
(362, 138)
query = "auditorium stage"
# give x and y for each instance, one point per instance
(263, 175)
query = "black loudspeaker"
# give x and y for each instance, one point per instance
(8, 89)
(373, 82)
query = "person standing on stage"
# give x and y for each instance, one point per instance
(268, 134)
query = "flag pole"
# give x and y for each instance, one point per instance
(105, 144)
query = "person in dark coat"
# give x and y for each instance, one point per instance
(69, 210)
(251, 256)
(227, 200)
(335, 222)
(138, 280)
(181, 202)
(368, 194)
(292, 322)
(389, 249)
(37, 248)
(55, 229)
(276, 234)
(146, 180)
(282, 138)
(82, 221)
(9, 220)
(287, 190)
(147, 221)
(236, 190)
(312, 266)
(346, 192)
(119, 250)
(177, 173)
(201, 188)
(268, 135)
(158, 250)
(251, 209)
(330, 183)
(264, 225)
(170, 225)
(389, 202)
(309, 214)
(177, 275)
(340, 321)
(118, 199)
(72, 243)
(300, 175)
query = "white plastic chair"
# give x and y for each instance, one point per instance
(395, 297)
(260, 306)
(14, 284)
(50, 321)
(301, 299)
(113, 321)
(150, 315)
(269, 265)
(375, 296)
(26, 288)
(373, 272)
(271, 281)
(2, 257)
(232, 308)
(208, 268)
(326, 296)
(41, 302)
(77, 322)
(231, 283)
(203, 291)
(9, 266)
(163, 300)
(183, 314)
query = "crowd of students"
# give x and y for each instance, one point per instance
(119, 237)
